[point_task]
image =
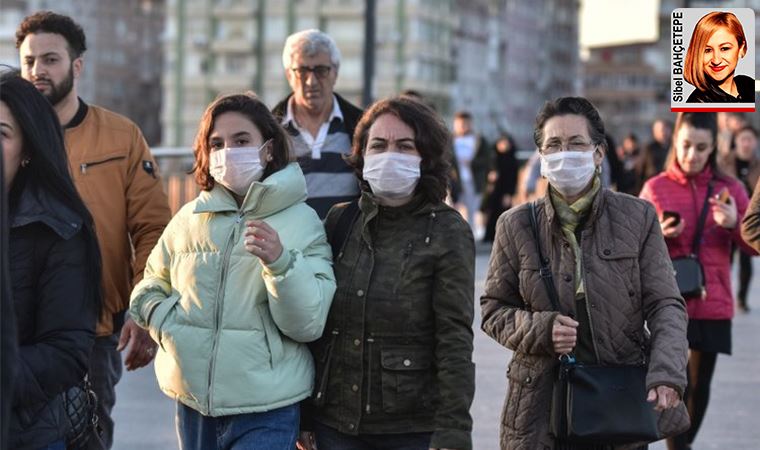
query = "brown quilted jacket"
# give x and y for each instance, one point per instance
(629, 280)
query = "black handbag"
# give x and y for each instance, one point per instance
(690, 276)
(595, 404)
(80, 404)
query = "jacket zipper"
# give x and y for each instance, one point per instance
(405, 262)
(367, 408)
(219, 304)
(588, 306)
(83, 167)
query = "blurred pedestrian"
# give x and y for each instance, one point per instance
(116, 176)
(631, 177)
(743, 162)
(656, 151)
(473, 160)
(612, 273)
(238, 283)
(394, 367)
(502, 183)
(698, 203)
(320, 122)
(54, 270)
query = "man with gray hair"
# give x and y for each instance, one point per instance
(320, 122)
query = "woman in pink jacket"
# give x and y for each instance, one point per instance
(679, 194)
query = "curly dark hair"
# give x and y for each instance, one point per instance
(50, 22)
(257, 112)
(431, 137)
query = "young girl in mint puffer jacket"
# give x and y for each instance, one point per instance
(240, 280)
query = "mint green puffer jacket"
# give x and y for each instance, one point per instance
(231, 332)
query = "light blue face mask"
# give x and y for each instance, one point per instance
(238, 167)
(392, 174)
(569, 172)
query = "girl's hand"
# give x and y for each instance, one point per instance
(261, 240)
(724, 214)
(670, 229)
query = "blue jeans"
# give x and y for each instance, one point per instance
(271, 430)
(59, 445)
(331, 439)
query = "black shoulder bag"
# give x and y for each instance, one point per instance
(338, 235)
(595, 404)
(690, 276)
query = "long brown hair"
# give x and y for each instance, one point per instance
(257, 112)
(431, 137)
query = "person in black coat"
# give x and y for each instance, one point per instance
(54, 268)
(502, 183)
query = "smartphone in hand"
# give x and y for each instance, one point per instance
(668, 214)
(723, 196)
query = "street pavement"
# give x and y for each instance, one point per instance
(145, 417)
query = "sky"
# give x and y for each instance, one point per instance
(617, 21)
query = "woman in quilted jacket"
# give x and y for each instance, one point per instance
(240, 280)
(611, 274)
(54, 266)
(692, 182)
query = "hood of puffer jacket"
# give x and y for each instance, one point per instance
(277, 192)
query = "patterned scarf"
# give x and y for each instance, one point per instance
(570, 216)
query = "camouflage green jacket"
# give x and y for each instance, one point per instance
(396, 355)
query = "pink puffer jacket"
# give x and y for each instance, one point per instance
(672, 190)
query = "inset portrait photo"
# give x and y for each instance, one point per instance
(713, 59)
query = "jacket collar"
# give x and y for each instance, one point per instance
(419, 205)
(596, 208)
(36, 205)
(277, 192)
(675, 173)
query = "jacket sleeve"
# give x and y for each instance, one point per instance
(147, 206)
(664, 310)
(300, 286)
(149, 304)
(453, 309)
(505, 317)
(751, 223)
(59, 356)
(742, 206)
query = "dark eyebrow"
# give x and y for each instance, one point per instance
(241, 134)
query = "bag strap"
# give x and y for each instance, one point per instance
(702, 219)
(343, 227)
(545, 271)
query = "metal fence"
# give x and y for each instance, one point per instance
(174, 163)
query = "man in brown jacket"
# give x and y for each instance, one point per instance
(117, 177)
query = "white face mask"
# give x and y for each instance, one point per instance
(568, 172)
(391, 174)
(237, 168)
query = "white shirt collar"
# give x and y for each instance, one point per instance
(289, 117)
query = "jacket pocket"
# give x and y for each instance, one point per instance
(406, 379)
(272, 334)
(521, 396)
(102, 161)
